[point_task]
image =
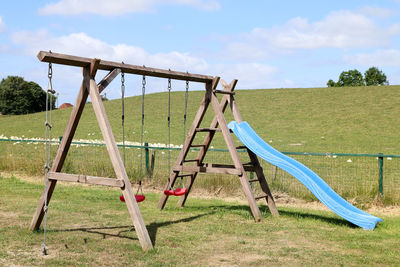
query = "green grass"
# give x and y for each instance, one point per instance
(90, 226)
(353, 120)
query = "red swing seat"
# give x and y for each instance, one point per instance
(179, 192)
(139, 198)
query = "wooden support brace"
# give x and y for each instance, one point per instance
(86, 179)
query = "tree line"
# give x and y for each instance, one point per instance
(18, 96)
(372, 77)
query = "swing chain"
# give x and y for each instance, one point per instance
(48, 126)
(141, 135)
(123, 115)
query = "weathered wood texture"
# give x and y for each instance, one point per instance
(61, 153)
(187, 144)
(126, 68)
(86, 179)
(118, 165)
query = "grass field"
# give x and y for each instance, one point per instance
(90, 226)
(353, 120)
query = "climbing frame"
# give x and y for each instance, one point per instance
(218, 124)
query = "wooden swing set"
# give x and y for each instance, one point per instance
(179, 169)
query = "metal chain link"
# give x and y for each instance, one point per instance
(48, 126)
(184, 122)
(169, 127)
(142, 133)
(123, 115)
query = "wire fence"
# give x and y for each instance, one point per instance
(359, 178)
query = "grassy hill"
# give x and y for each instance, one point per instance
(356, 119)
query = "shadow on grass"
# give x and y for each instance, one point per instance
(152, 228)
(246, 212)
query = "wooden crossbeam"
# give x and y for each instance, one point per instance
(86, 179)
(126, 68)
(218, 170)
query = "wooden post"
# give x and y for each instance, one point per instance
(61, 153)
(118, 165)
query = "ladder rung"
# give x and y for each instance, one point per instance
(253, 180)
(224, 92)
(191, 160)
(197, 145)
(248, 163)
(184, 175)
(241, 147)
(207, 129)
(260, 197)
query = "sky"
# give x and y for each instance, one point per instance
(263, 44)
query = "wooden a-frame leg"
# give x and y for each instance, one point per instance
(118, 165)
(263, 183)
(61, 154)
(66, 143)
(235, 157)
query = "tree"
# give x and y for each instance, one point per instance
(374, 76)
(350, 78)
(331, 83)
(18, 96)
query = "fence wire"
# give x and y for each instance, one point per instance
(353, 176)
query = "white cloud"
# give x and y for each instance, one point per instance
(80, 44)
(378, 12)
(381, 58)
(339, 29)
(118, 7)
(2, 25)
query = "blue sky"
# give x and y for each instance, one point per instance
(264, 44)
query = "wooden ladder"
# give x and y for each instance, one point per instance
(218, 124)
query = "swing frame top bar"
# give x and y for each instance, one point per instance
(70, 60)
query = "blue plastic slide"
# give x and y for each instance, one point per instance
(311, 180)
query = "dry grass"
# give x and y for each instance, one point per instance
(89, 226)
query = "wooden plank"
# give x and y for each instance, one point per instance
(86, 179)
(215, 165)
(232, 102)
(219, 170)
(208, 130)
(61, 153)
(118, 165)
(224, 92)
(108, 79)
(94, 65)
(126, 68)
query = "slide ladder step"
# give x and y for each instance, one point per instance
(260, 197)
(208, 129)
(253, 180)
(191, 160)
(184, 175)
(197, 145)
(224, 92)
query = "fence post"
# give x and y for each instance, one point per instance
(380, 162)
(146, 152)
